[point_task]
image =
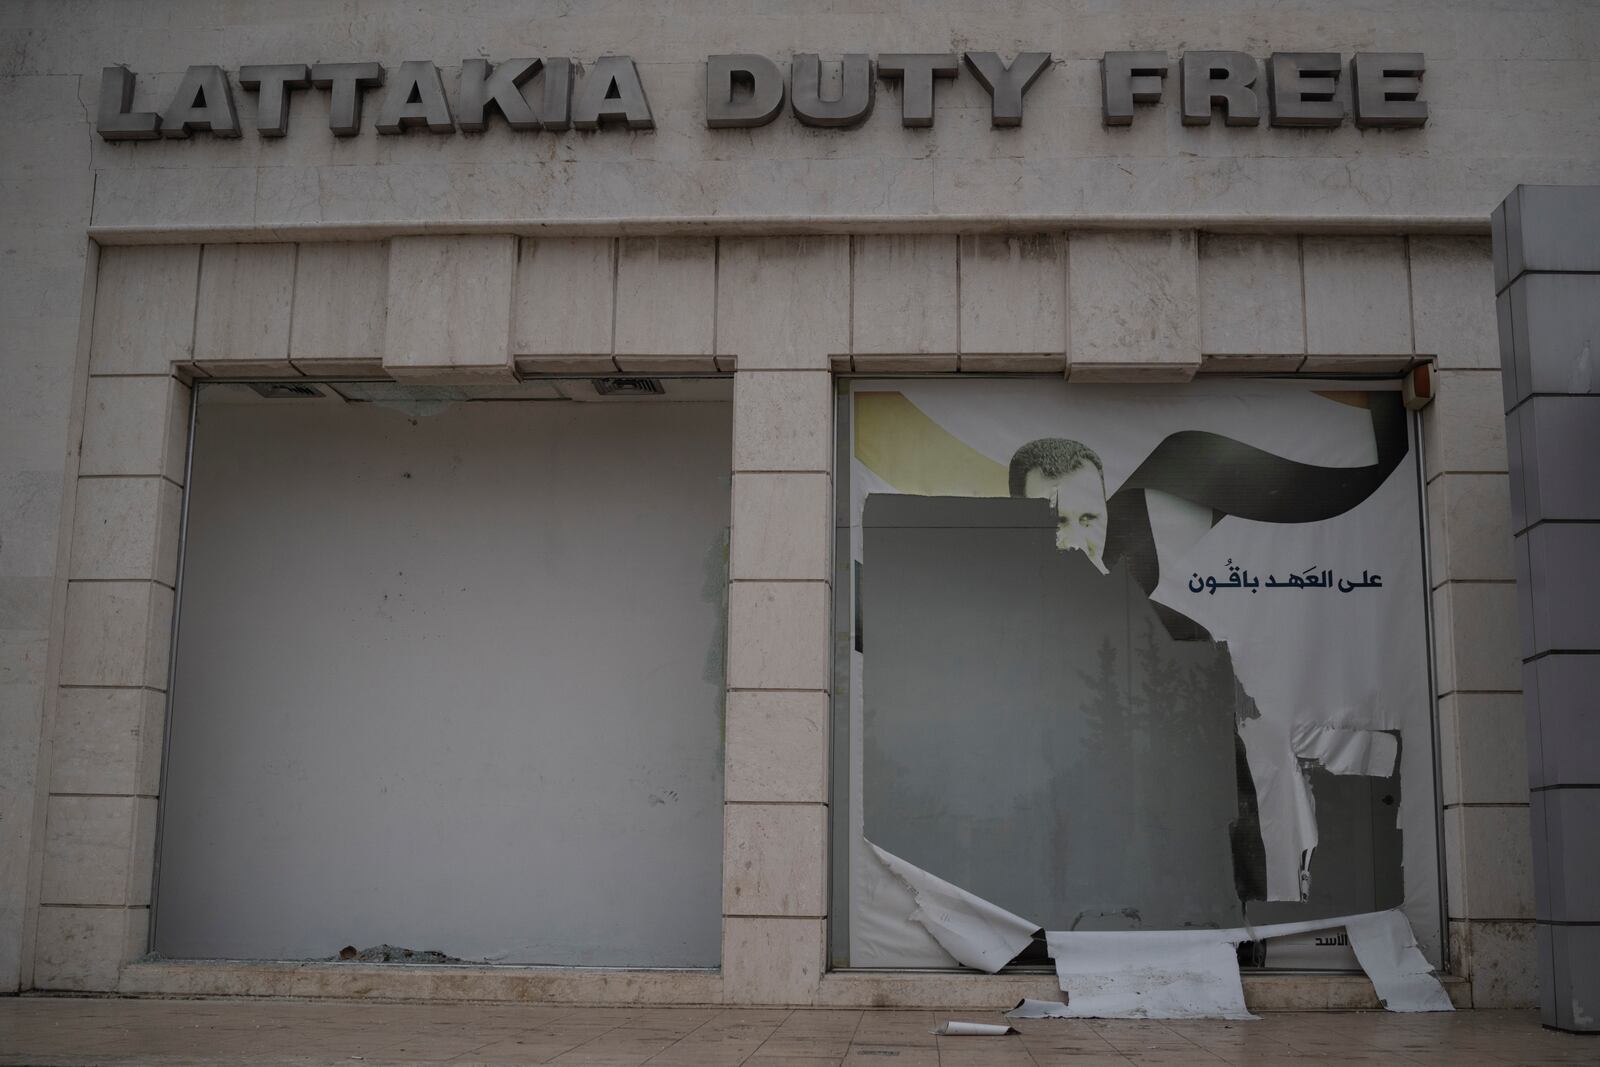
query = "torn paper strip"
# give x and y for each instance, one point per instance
(1028, 1008)
(881, 903)
(1283, 794)
(1288, 814)
(1194, 974)
(1387, 949)
(1342, 750)
(974, 931)
(1149, 974)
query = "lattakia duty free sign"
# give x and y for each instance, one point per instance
(1295, 89)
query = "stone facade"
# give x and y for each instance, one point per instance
(1147, 253)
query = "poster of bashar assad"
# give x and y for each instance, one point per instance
(1136, 657)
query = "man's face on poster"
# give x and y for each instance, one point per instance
(1079, 500)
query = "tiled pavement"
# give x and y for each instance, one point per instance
(54, 1030)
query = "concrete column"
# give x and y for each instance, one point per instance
(1547, 274)
(782, 311)
(105, 734)
(1484, 793)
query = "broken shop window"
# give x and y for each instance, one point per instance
(1035, 708)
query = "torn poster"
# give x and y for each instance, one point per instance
(882, 933)
(974, 931)
(1387, 949)
(1156, 974)
(1042, 693)
(1149, 974)
(1194, 974)
(1342, 750)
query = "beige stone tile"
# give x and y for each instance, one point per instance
(991, 1052)
(774, 859)
(449, 307)
(778, 635)
(910, 363)
(1477, 642)
(1014, 293)
(1483, 747)
(1129, 373)
(693, 1054)
(1502, 958)
(619, 1046)
(141, 864)
(1357, 296)
(745, 1023)
(127, 529)
(1452, 301)
(906, 1027)
(88, 851)
(1469, 527)
(600, 366)
(782, 421)
(822, 1021)
(833, 1046)
(1251, 303)
(783, 303)
(1464, 429)
(1009, 363)
(340, 294)
(79, 949)
(107, 741)
(135, 426)
(706, 364)
(772, 960)
(781, 526)
(144, 309)
(242, 321)
(427, 1047)
(1132, 303)
(565, 296)
(117, 633)
(1390, 365)
(1488, 862)
(1250, 364)
(666, 295)
(777, 747)
(906, 294)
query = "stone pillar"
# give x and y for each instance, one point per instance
(109, 717)
(1547, 274)
(782, 310)
(1473, 588)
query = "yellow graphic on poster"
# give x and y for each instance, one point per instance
(903, 446)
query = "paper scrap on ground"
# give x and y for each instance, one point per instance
(1149, 974)
(1028, 1008)
(1387, 949)
(960, 1029)
(1342, 750)
(974, 931)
